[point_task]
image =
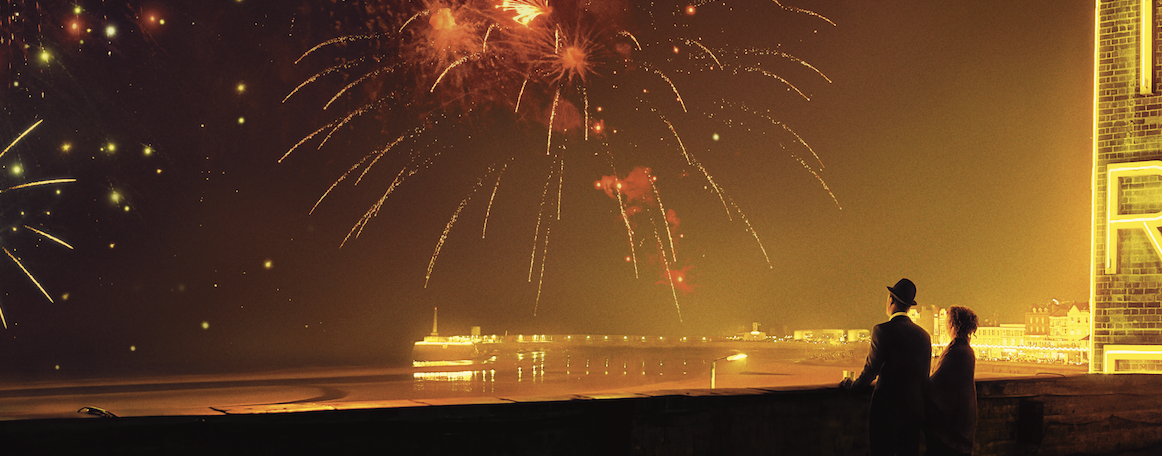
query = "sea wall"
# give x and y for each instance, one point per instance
(1083, 414)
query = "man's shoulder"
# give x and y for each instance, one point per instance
(901, 325)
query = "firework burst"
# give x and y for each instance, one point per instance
(441, 66)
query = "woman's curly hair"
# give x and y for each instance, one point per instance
(962, 321)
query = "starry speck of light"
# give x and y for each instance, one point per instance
(205, 325)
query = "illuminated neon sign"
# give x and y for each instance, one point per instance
(1116, 221)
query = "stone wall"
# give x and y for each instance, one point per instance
(1085, 414)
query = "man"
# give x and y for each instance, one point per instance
(901, 356)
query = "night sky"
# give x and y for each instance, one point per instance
(954, 136)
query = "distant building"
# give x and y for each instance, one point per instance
(833, 336)
(926, 317)
(1058, 332)
(999, 342)
(754, 334)
(1037, 318)
(1072, 324)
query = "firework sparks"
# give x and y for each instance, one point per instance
(537, 232)
(29, 274)
(704, 49)
(447, 229)
(450, 67)
(640, 189)
(540, 65)
(18, 138)
(38, 184)
(526, 10)
(50, 237)
(33, 184)
(662, 209)
(488, 211)
(669, 274)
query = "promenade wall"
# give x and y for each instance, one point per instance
(1048, 415)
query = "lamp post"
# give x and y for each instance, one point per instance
(714, 366)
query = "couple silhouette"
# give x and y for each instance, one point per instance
(906, 401)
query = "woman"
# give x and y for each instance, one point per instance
(952, 409)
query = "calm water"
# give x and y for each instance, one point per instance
(587, 370)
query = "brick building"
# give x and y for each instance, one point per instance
(1126, 291)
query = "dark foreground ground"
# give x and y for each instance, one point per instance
(1047, 415)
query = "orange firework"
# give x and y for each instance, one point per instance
(440, 67)
(526, 10)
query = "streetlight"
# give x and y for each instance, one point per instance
(714, 365)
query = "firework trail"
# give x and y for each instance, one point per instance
(488, 211)
(662, 209)
(448, 228)
(669, 272)
(46, 235)
(797, 139)
(437, 67)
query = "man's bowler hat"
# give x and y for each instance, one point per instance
(904, 291)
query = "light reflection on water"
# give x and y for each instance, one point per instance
(567, 372)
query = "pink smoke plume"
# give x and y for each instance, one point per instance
(637, 194)
(682, 278)
(635, 187)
